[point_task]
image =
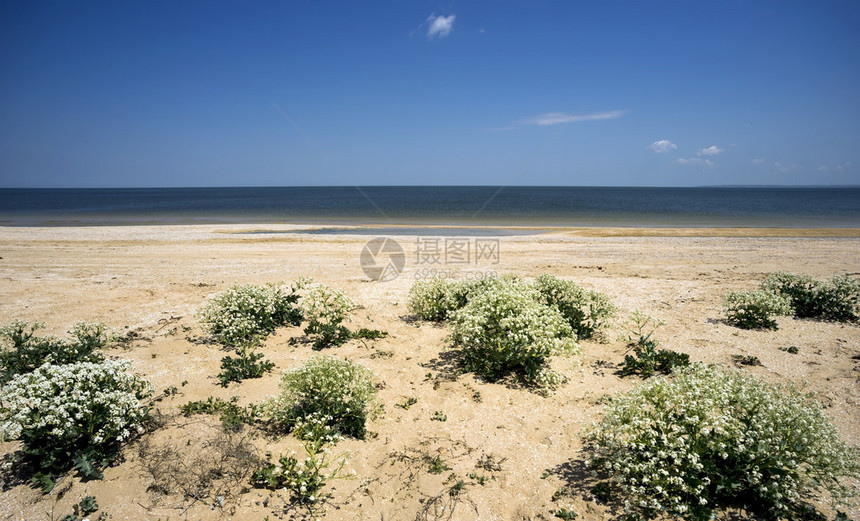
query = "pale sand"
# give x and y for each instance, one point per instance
(153, 279)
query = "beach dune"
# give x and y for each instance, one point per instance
(147, 282)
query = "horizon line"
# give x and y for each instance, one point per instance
(423, 186)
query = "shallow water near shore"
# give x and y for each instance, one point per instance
(475, 206)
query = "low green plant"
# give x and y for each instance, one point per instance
(305, 479)
(587, 312)
(746, 360)
(382, 353)
(836, 299)
(244, 314)
(755, 309)
(22, 351)
(407, 404)
(480, 479)
(232, 415)
(370, 334)
(83, 509)
(75, 415)
(338, 389)
(710, 438)
(646, 359)
(503, 330)
(567, 515)
(790, 349)
(439, 416)
(249, 364)
(85, 506)
(458, 487)
(437, 465)
(560, 493)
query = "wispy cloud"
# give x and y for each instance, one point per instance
(440, 26)
(662, 146)
(787, 168)
(555, 118)
(839, 168)
(696, 161)
(758, 161)
(710, 151)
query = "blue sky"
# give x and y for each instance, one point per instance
(228, 93)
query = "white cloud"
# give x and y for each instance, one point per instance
(554, 118)
(710, 151)
(758, 161)
(662, 146)
(440, 26)
(696, 161)
(835, 168)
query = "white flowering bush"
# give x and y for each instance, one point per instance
(503, 329)
(755, 309)
(73, 415)
(587, 312)
(437, 298)
(434, 299)
(341, 390)
(326, 309)
(709, 438)
(22, 351)
(305, 479)
(835, 299)
(245, 313)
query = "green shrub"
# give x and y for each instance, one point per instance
(73, 415)
(305, 479)
(232, 416)
(840, 299)
(341, 390)
(504, 329)
(246, 313)
(326, 309)
(836, 299)
(646, 358)
(435, 299)
(754, 309)
(587, 312)
(710, 438)
(23, 351)
(249, 364)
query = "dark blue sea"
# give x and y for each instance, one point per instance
(438, 205)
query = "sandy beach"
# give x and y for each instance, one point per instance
(150, 281)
